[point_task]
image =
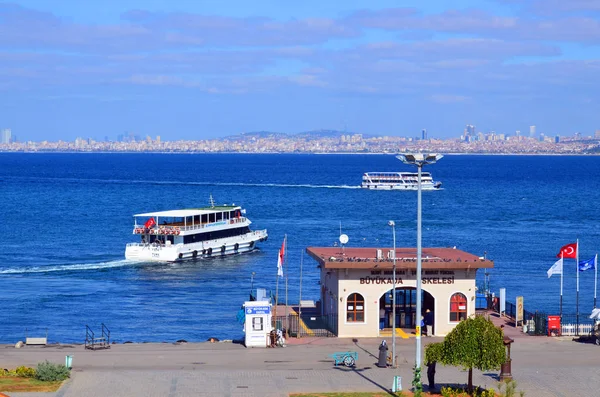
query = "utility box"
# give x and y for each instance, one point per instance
(258, 323)
(554, 326)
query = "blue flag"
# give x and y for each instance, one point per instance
(587, 265)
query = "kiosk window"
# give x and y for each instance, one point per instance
(355, 308)
(458, 307)
(257, 324)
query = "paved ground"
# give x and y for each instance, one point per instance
(542, 367)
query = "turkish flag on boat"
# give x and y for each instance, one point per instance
(149, 223)
(568, 251)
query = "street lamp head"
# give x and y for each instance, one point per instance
(419, 158)
(391, 223)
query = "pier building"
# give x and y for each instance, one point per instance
(357, 287)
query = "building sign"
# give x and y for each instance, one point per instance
(519, 314)
(380, 280)
(437, 280)
(258, 310)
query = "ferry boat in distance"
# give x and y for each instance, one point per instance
(398, 181)
(178, 235)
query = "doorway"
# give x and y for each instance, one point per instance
(406, 307)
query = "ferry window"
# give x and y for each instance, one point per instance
(219, 216)
(355, 308)
(204, 218)
(458, 307)
(211, 217)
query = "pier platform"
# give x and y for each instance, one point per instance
(542, 366)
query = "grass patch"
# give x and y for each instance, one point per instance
(18, 384)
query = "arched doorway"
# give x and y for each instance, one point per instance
(406, 307)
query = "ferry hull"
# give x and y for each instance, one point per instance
(401, 186)
(200, 250)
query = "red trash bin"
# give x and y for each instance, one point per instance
(553, 325)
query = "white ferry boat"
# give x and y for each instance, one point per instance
(398, 181)
(177, 235)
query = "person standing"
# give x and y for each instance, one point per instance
(429, 322)
(381, 318)
(431, 374)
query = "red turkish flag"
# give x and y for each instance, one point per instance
(149, 223)
(568, 251)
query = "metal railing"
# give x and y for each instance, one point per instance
(569, 327)
(307, 326)
(93, 343)
(199, 225)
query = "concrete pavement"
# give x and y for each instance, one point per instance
(542, 367)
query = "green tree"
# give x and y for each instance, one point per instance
(474, 343)
(433, 352)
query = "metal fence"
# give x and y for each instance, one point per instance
(536, 323)
(569, 325)
(308, 325)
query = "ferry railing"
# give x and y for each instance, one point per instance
(198, 226)
(209, 224)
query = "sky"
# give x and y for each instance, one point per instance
(198, 69)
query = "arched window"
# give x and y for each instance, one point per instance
(355, 308)
(458, 307)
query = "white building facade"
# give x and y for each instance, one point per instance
(357, 288)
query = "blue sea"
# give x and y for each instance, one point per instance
(65, 220)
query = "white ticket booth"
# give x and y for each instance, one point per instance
(258, 323)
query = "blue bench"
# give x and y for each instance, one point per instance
(346, 358)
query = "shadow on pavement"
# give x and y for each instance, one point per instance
(363, 349)
(359, 372)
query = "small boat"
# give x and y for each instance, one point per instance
(178, 235)
(398, 181)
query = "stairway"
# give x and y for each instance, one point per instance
(93, 343)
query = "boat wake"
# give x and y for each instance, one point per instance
(180, 183)
(69, 268)
(276, 185)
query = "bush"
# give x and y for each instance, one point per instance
(50, 372)
(25, 372)
(461, 392)
(7, 372)
(508, 388)
(22, 372)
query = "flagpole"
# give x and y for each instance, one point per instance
(285, 265)
(276, 297)
(562, 266)
(595, 278)
(577, 295)
(300, 297)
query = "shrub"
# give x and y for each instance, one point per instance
(461, 392)
(508, 388)
(50, 372)
(25, 372)
(7, 372)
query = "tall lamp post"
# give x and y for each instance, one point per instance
(393, 225)
(419, 159)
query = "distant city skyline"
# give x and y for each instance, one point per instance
(204, 70)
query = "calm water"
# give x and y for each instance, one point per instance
(66, 218)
